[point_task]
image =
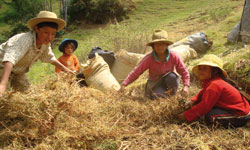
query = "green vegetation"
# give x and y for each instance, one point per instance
(179, 18)
(99, 11)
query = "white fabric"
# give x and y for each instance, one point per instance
(21, 51)
(97, 75)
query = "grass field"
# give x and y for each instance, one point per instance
(57, 114)
(179, 18)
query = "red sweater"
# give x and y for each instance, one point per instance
(217, 93)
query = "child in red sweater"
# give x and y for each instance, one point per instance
(68, 46)
(218, 100)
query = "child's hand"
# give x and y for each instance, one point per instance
(122, 89)
(70, 71)
(2, 89)
(181, 117)
(185, 91)
(188, 104)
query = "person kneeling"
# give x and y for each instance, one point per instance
(218, 100)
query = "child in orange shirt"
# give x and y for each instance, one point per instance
(68, 46)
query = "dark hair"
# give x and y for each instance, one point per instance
(217, 71)
(49, 24)
(66, 44)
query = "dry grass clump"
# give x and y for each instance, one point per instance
(57, 114)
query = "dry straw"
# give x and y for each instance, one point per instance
(57, 114)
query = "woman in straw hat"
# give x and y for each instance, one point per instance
(218, 100)
(163, 81)
(19, 52)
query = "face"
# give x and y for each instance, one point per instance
(204, 72)
(69, 49)
(45, 35)
(160, 48)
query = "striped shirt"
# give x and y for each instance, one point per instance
(22, 52)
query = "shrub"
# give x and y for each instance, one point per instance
(21, 10)
(99, 11)
(17, 15)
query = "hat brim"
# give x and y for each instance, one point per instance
(70, 41)
(157, 41)
(34, 21)
(196, 71)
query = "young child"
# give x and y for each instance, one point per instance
(68, 46)
(218, 100)
(19, 52)
(161, 64)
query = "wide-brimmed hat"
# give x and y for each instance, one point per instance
(67, 41)
(46, 16)
(160, 36)
(209, 60)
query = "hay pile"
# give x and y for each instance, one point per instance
(57, 114)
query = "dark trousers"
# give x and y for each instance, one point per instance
(167, 85)
(225, 117)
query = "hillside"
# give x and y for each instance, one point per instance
(56, 114)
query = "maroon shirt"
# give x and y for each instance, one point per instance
(217, 93)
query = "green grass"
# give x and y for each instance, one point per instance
(179, 17)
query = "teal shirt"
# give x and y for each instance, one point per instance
(157, 59)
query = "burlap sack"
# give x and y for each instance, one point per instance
(198, 41)
(124, 63)
(184, 51)
(97, 74)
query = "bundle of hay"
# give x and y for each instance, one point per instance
(124, 63)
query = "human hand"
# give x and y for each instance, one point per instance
(2, 89)
(188, 104)
(181, 117)
(122, 89)
(185, 91)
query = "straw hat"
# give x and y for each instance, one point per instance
(209, 60)
(46, 16)
(159, 36)
(67, 40)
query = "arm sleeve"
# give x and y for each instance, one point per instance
(48, 56)
(77, 64)
(209, 99)
(138, 70)
(16, 47)
(182, 70)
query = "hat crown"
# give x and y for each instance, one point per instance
(212, 59)
(46, 14)
(67, 40)
(160, 34)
